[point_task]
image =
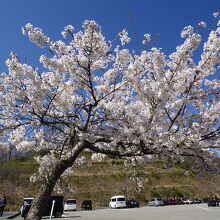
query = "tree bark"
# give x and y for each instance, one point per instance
(39, 203)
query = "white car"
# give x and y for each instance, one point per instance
(156, 202)
(188, 201)
(117, 202)
(70, 205)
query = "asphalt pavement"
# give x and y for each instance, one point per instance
(178, 212)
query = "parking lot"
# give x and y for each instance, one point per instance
(178, 212)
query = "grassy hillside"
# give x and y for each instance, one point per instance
(101, 180)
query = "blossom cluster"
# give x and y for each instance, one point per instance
(35, 35)
(67, 30)
(123, 35)
(147, 38)
(202, 24)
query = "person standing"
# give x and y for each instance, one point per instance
(2, 205)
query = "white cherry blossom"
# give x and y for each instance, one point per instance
(147, 38)
(216, 14)
(110, 101)
(202, 24)
(123, 35)
(67, 30)
(187, 31)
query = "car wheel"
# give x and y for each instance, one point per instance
(58, 214)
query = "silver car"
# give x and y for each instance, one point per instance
(156, 202)
(70, 205)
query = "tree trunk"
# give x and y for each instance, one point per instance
(40, 201)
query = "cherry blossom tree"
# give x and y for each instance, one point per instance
(93, 95)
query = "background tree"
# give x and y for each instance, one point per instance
(111, 101)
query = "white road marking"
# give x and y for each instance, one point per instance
(208, 209)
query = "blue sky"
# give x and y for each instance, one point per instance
(156, 16)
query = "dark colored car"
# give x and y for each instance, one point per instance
(87, 205)
(132, 203)
(173, 201)
(213, 202)
(57, 210)
(197, 201)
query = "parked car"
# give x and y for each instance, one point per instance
(213, 202)
(26, 202)
(197, 201)
(132, 203)
(57, 210)
(70, 205)
(173, 201)
(188, 201)
(156, 202)
(117, 202)
(87, 205)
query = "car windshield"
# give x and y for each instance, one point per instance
(87, 202)
(28, 201)
(121, 199)
(71, 201)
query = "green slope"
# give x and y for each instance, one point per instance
(101, 180)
